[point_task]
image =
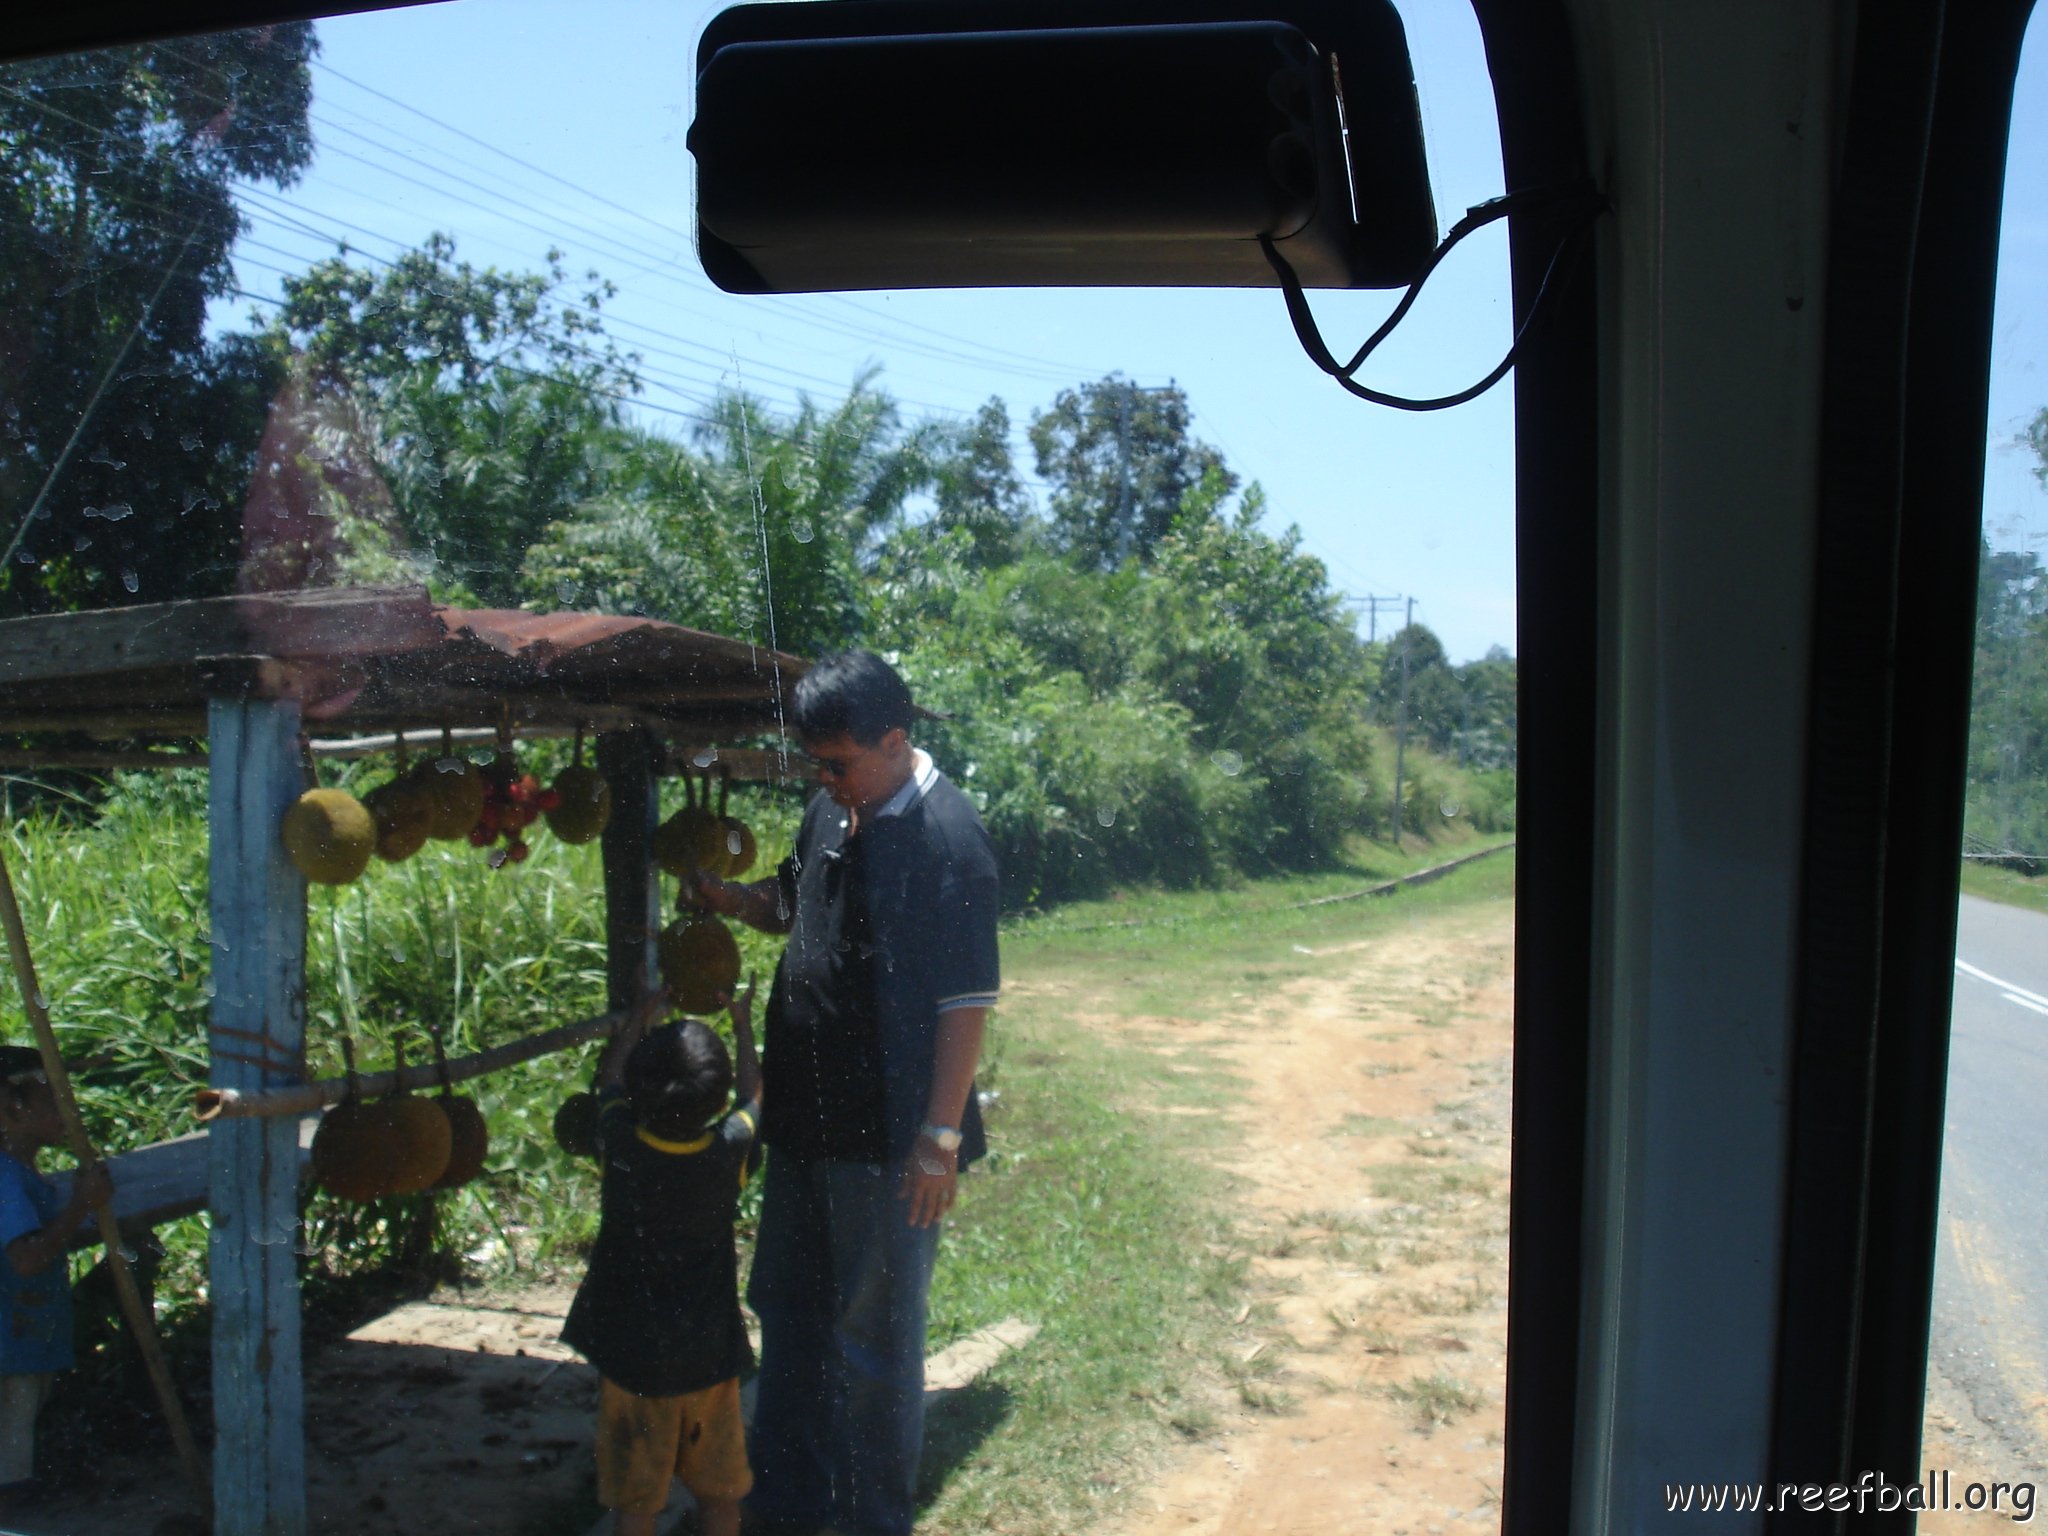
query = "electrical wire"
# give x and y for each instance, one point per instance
(1311, 336)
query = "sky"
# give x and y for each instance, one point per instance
(517, 125)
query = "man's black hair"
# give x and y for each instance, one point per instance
(677, 1079)
(852, 693)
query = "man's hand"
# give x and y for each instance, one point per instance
(931, 1182)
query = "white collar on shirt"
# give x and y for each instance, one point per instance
(924, 773)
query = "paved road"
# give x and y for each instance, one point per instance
(1991, 1268)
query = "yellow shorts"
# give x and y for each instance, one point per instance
(642, 1442)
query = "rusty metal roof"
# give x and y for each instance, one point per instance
(381, 659)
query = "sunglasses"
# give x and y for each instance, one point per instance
(832, 767)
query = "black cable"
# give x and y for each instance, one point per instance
(1311, 336)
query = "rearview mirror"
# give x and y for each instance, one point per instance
(855, 144)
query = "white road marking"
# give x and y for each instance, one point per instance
(2013, 990)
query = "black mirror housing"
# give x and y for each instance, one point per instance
(860, 144)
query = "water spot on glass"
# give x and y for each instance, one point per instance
(130, 580)
(566, 591)
(801, 530)
(42, 1001)
(113, 511)
(147, 428)
(705, 757)
(732, 843)
(483, 757)
(448, 764)
(25, 556)
(1450, 807)
(209, 989)
(190, 442)
(101, 456)
(1227, 762)
(1106, 815)
(42, 513)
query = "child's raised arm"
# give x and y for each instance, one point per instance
(611, 1066)
(746, 1081)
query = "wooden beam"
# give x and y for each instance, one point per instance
(308, 1098)
(258, 1042)
(165, 1180)
(630, 762)
(89, 757)
(342, 621)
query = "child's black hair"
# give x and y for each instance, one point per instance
(853, 693)
(678, 1078)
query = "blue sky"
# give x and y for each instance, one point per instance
(564, 125)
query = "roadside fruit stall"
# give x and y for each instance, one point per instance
(261, 690)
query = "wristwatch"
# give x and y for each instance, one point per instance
(944, 1137)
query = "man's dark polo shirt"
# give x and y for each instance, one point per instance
(891, 928)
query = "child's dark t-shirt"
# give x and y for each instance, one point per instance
(658, 1313)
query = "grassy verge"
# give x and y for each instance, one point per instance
(2006, 885)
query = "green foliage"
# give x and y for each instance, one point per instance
(2006, 793)
(1121, 463)
(479, 407)
(116, 220)
(116, 907)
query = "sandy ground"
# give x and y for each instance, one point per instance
(1372, 1131)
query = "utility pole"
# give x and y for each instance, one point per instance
(1401, 723)
(1372, 613)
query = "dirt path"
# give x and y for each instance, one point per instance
(1372, 1138)
(1372, 1135)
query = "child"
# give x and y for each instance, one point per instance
(35, 1290)
(659, 1311)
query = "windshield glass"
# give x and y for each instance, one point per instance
(410, 562)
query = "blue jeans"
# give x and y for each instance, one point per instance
(839, 1282)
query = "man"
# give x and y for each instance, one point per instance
(872, 1035)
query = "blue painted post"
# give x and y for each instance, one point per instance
(258, 1042)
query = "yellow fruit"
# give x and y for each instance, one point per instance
(692, 839)
(455, 789)
(404, 813)
(576, 1125)
(329, 836)
(586, 804)
(469, 1140)
(700, 961)
(367, 1151)
(740, 849)
(424, 1139)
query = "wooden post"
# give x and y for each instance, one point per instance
(258, 1042)
(630, 762)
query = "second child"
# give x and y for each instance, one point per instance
(658, 1313)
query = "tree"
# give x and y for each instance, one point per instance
(493, 398)
(1121, 462)
(768, 527)
(125, 436)
(975, 487)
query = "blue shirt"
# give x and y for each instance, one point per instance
(35, 1310)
